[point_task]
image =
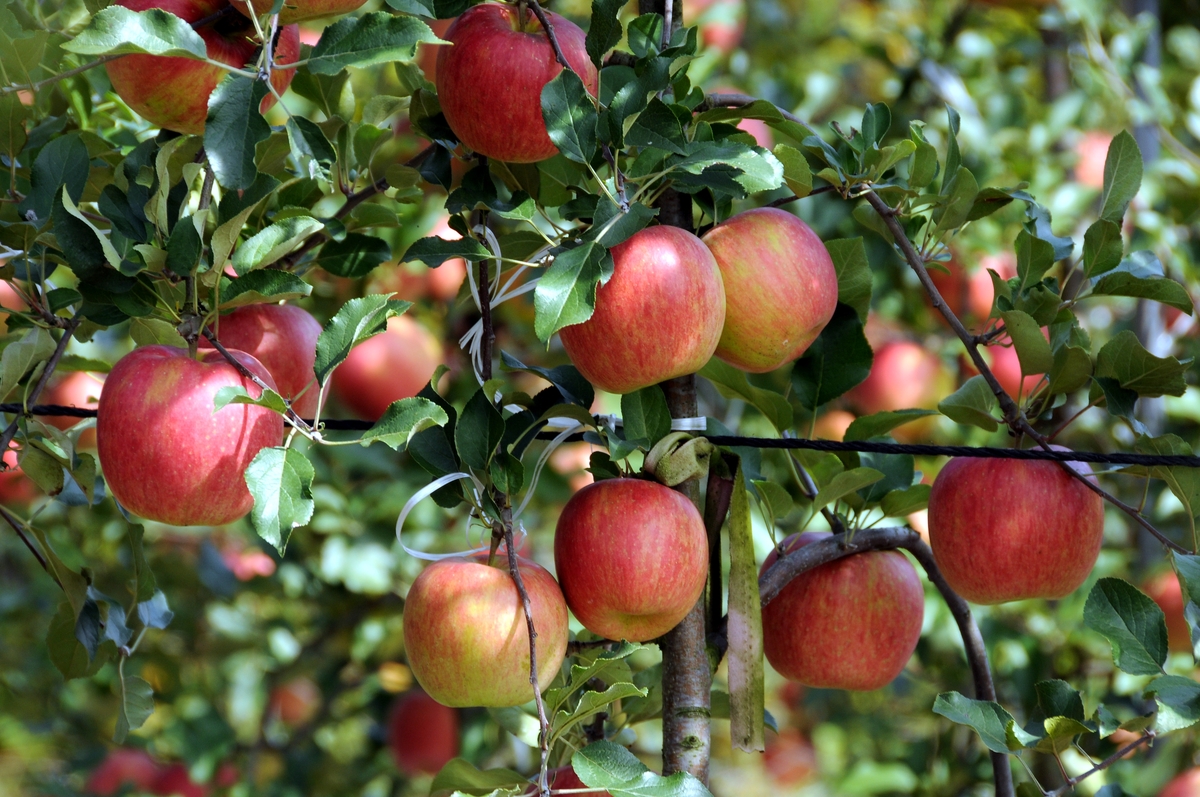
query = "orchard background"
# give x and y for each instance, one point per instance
(267, 655)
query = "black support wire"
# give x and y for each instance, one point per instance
(1114, 458)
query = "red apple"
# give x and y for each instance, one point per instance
(427, 54)
(173, 92)
(1006, 367)
(296, 702)
(1184, 785)
(1092, 150)
(175, 780)
(780, 287)
(78, 389)
(1005, 530)
(296, 10)
(849, 624)
(790, 758)
(632, 558)
(10, 299)
(465, 632)
(123, 768)
(833, 425)
(571, 460)
(722, 23)
(422, 734)
(658, 317)
(490, 82)
(970, 296)
(15, 488)
(393, 365)
(284, 339)
(1164, 590)
(166, 455)
(904, 375)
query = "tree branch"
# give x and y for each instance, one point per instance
(18, 527)
(1147, 736)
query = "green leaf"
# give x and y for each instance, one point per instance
(843, 484)
(402, 420)
(1033, 350)
(881, 423)
(45, 470)
(729, 166)
(1178, 702)
(1122, 176)
(837, 360)
(1102, 247)
(986, 717)
(1071, 370)
(570, 116)
(570, 383)
(12, 126)
(610, 767)
(433, 251)
(67, 653)
(796, 171)
(849, 257)
(154, 613)
(110, 253)
(155, 331)
(1188, 569)
(611, 225)
(1035, 256)
(1059, 699)
(645, 415)
(373, 38)
(1141, 275)
(461, 776)
(237, 394)
(63, 164)
(657, 126)
(332, 94)
(745, 626)
(1061, 733)
(117, 31)
(971, 404)
(507, 473)
(733, 383)
(518, 722)
(233, 129)
(358, 320)
(959, 202)
(20, 357)
(592, 702)
(268, 245)
(604, 32)
(264, 285)
(566, 293)
(354, 256)
(479, 430)
(145, 584)
(136, 706)
(1125, 360)
(280, 479)
(310, 147)
(1131, 622)
(901, 503)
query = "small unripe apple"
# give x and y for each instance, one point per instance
(490, 82)
(172, 92)
(395, 364)
(465, 632)
(297, 10)
(632, 558)
(422, 734)
(284, 339)
(1005, 529)
(780, 287)
(658, 317)
(849, 624)
(165, 454)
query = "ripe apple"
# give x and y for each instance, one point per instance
(123, 768)
(658, 317)
(1164, 590)
(10, 299)
(970, 296)
(790, 758)
(490, 82)
(780, 287)
(77, 389)
(904, 375)
(850, 624)
(571, 461)
(295, 702)
(1006, 367)
(393, 365)
(284, 339)
(1005, 530)
(422, 734)
(632, 558)
(173, 92)
(166, 455)
(414, 281)
(297, 10)
(833, 424)
(1184, 785)
(427, 54)
(1092, 150)
(465, 632)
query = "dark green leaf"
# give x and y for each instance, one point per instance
(611, 225)
(373, 38)
(570, 116)
(604, 32)
(433, 251)
(461, 776)
(62, 163)
(1178, 702)
(1034, 258)
(479, 430)
(987, 718)
(1131, 622)
(265, 284)
(971, 404)
(402, 420)
(354, 256)
(136, 706)
(1033, 350)
(1125, 360)
(233, 129)
(145, 584)
(1059, 699)
(358, 320)
(645, 415)
(117, 30)
(881, 423)
(270, 244)
(1102, 247)
(960, 200)
(837, 360)
(566, 378)
(566, 293)
(657, 126)
(1122, 176)
(853, 273)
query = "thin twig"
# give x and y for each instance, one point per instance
(546, 26)
(35, 87)
(1146, 737)
(292, 417)
(18, 527)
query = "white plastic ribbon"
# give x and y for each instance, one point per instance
(427, 491)
(695, 424)
(558, 440)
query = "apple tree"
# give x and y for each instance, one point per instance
(412, 396)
